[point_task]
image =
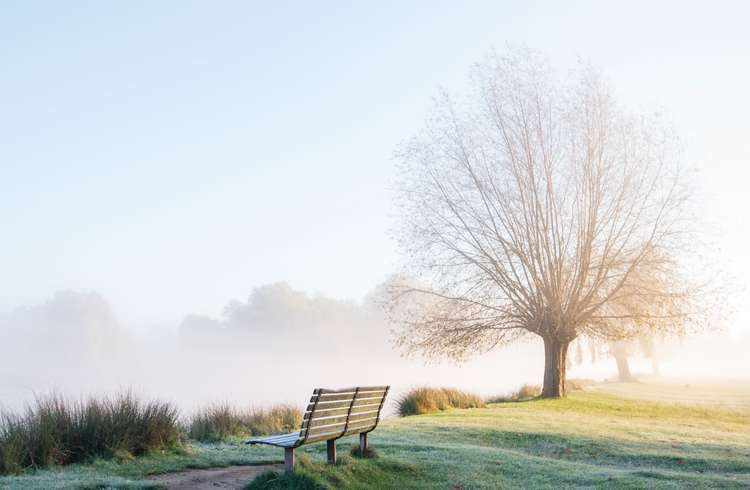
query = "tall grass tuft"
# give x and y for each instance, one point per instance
(55, 431)
(223, 421)
(426, 400)
(525, 392)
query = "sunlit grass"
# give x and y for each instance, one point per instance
(590, 439)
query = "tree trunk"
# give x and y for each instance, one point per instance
(623, 368)
(555, 356)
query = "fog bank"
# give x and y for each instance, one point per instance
(275, 346)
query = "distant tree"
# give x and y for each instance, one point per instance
(537, 207)
(620, 352)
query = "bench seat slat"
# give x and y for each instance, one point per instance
(283, 440)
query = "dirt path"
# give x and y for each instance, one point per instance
(231, 477)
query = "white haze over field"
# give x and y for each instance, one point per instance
(160, 158)
(275, 346)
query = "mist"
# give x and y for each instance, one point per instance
(276, 345)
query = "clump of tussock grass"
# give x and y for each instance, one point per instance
(427, 400)
(525, 392)
(55, 431)
(299, 479)
(272, 480)
(368, 453)
(578, 384)
(528, 391)
(224, 421)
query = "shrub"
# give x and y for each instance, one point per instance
(426, 400)
(55, 431)
(223, 421)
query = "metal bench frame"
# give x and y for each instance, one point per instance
(323, 420)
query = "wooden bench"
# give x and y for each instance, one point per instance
(333, 414)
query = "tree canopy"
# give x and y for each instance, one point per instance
(536, 205)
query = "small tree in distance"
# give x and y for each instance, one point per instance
(537, 207)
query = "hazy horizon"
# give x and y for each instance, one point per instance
(148, 167)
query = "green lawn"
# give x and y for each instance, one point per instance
(607, 436)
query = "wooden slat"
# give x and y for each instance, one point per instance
(360, 396)
(331, 434)
(339, 426)
(332, 398)
(352, 390)
(285, 440)
(346, 396)
(327, 429)
(323, 437)
(318, 421)
(340, 411)
(278, 436)
(361, 427)
(330, 420)
(282, 438)
(344, 404)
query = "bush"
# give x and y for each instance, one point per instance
(428, 400)
(222, 421)
(54, 431)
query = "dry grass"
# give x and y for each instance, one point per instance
(577, 384)
(224, 421)
(529, 392)
(55, 431)
(427, 400)
(525, 392)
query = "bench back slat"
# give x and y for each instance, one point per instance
(337, 413)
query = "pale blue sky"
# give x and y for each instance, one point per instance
(173, 155)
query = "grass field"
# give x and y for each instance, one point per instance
(615, 436)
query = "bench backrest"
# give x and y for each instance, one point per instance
(337, 413)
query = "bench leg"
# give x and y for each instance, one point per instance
(331, 445)
(362, 444)
(288, 459)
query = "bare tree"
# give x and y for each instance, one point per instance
(535, 206)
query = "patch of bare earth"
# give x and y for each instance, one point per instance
(231, 477)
